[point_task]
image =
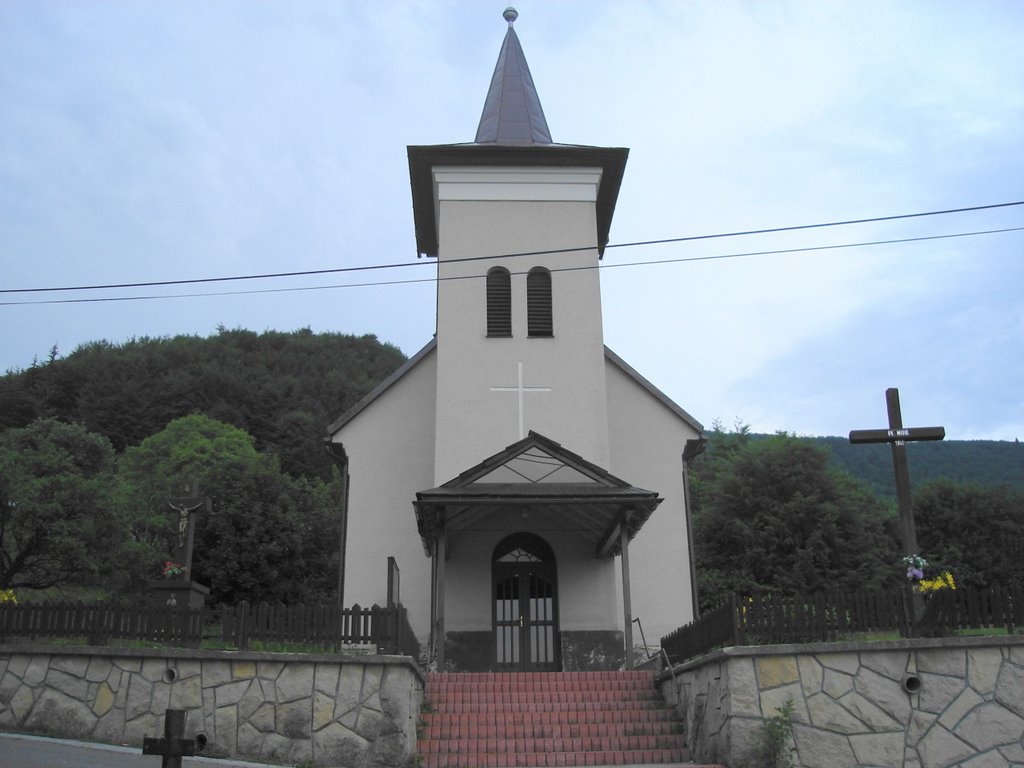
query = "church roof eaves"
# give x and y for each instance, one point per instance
(380, 389)
(423, 159)
(654, 391)
(520, 492)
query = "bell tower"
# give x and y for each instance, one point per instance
(518, 225)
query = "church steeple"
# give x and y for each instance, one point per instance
(512, 112)
(513, 133)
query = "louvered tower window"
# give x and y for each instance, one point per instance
(499, 302)
(538, 303)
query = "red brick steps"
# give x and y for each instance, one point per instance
(506, 720)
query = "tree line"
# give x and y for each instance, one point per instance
(281, 388)
(91, 444)
(778, 513)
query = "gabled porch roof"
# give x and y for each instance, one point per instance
(560, 490)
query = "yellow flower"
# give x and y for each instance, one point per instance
(943, 581)
(7, 596)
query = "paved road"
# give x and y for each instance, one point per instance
(18, 751)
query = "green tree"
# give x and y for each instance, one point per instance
(976, 532)
(58, 521)
(270, 537)
(772, 514)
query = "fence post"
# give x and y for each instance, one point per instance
(242, 631)
(356, 622)
(737, 630)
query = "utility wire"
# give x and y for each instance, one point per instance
(679, 260)
(638, 243)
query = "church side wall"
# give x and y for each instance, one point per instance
(647, 441)
(390, 446)
(316, 709)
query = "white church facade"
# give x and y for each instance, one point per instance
(530, 484)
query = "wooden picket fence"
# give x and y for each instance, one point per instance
(100, 623)
(770, 618)
(325, 625)
(328, 627)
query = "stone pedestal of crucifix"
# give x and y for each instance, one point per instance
(177, 589)
(898, 436)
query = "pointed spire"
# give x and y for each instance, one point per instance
(512, 111)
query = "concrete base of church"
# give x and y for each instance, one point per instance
(581, 651)
(592, 651)
(469, 652)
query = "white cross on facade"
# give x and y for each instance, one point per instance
(520, 390)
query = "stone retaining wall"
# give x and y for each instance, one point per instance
(852, 707)
(331, 710)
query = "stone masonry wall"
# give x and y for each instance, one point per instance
(966, 708)
(331, 710)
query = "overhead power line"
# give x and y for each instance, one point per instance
(679, 260)
(402, 265)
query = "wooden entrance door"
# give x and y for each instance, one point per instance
(525, 606)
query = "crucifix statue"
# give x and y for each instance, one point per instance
(184, 509)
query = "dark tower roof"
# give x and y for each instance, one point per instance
(512, 111)
(512, 133)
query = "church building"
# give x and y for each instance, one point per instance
(531, 486)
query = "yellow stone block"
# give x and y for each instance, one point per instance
(773, 671)
(104, 700)
(323, 710)
(243, 670)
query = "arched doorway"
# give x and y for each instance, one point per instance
(525, 604)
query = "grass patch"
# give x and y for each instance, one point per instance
(982, 632)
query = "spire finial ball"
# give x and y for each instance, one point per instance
(510, 15)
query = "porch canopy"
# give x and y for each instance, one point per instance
(557, 490)
(554, 490)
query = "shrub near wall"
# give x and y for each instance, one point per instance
(852, 708)
(330, 710)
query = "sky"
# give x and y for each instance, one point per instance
(160, 141)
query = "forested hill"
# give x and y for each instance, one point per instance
(982, 462)
(281, 388)
(284, 388)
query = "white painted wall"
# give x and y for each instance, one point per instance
(390, 446)
(647, 440)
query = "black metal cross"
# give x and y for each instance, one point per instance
(173, 746)
(898, 436)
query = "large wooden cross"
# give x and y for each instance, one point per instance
(898, 436)
(185, 508)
